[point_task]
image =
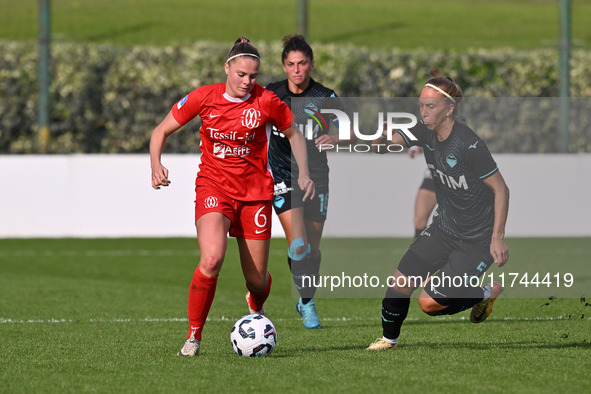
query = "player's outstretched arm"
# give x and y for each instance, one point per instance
(159, 173)
(298, 148)
(498, 248)
(413, 151)
(380, 145)
(332, 140)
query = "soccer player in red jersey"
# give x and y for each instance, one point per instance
(234, 187)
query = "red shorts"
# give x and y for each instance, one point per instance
(250, 219)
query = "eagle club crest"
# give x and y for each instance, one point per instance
(451, 160)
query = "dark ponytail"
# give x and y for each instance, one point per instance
(243, 47)
(297, 43)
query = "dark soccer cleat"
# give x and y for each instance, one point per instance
(483, 309)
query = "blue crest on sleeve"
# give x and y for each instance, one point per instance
(180, 103)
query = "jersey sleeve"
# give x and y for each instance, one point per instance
(338, 104)
(279, 112)
(418, 131)
(188, 107)
(478, 157)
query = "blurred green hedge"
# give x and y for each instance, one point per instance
(109, 98)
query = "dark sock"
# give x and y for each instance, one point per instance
(305, 275)
(394, 310)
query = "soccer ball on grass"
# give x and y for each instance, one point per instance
(253, 336)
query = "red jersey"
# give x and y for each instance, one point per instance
(234, 138)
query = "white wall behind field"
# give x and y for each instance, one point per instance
(370, 196)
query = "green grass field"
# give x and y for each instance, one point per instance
(109, 315)
(454, 25)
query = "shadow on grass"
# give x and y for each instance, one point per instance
(434, 321)
(518, 345)
(467, 345)
(475, 344)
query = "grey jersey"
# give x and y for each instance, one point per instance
(280, 157)
(459, 165)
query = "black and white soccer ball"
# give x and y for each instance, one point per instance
(253, 336)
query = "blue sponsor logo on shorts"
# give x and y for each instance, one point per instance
(279, 201)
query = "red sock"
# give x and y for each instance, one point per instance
(201, 295)
(257, 300)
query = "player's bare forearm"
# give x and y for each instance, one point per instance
(381, 144)
(335, 139)
(159, 173)
(156, 146)
(413, 151)
(498, 248)
(300, 153)
(327, 140)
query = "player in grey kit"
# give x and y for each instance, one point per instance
(302, 222)
(467, 233)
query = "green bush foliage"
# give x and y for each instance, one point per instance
(107, 99)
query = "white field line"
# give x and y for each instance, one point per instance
(227, 318)
(106, 253)
(195, 251)
(98, 253)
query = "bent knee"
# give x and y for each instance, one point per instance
(298, 249)
(430, 306)
(404, 284)
(211, 265)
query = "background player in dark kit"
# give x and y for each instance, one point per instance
(302, 222)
